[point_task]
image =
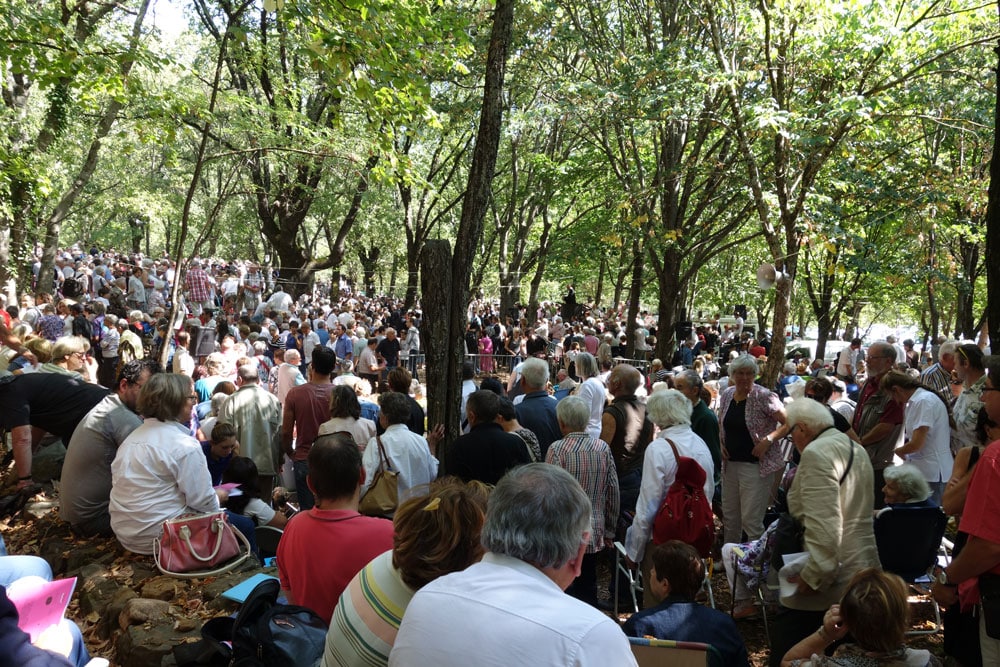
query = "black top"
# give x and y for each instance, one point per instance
(485, 453)
(52, 401)
(389, 349)
(739, 442)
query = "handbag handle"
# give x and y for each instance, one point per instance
(245, 553)
(185, 535)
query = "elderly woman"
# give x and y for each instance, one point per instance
(69, 357)
(905, 486)
(875, 612)
(750, 425)
(591, 390)
(670, 411)
(832, 497)
(434, 534)
(926, 427)
(345, 415)
(159, 471)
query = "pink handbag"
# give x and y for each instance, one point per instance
(199, 545)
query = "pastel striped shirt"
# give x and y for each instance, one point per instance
(367, 617)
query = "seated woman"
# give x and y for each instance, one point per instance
(219, 450)
(875, 612)
(905, 487)
(434, 535)
(159, 472)
(676, 577)
(243, 471)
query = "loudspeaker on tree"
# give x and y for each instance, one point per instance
(768, 275)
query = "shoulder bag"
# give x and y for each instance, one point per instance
(382, 496)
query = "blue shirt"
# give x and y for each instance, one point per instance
(537, 413)
(344, 348)
(684, 620)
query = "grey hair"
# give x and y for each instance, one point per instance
(691, 379)
(293, 357)
(742, 363)
(811, 414)
(910, 482)
(535, 373)
(573, 413)
(537, 513)
(668, 408)
(948, 347)
(586, 365)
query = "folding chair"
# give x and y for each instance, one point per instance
(634, 578)
(664, 652)
(909, 541)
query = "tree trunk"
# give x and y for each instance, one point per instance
(634, 293)
(445, 389)
(993, 226)
(436, 302)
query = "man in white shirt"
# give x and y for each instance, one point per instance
(310, 339)
(408, 453)
(510, 608)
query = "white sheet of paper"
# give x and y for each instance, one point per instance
(794, 563)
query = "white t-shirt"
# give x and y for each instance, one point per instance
(259, 511)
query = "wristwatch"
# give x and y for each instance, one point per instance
(942, 578)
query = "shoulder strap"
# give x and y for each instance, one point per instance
(850, 462)
(385, 457)
(670, 442)
(974, 456)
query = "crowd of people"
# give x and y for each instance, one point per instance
(307, 399)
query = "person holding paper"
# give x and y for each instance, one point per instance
(832, 497)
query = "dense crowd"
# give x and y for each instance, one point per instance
(572, 439)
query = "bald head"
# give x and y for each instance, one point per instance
(624, 380)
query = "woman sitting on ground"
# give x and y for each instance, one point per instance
(243, 471)
(874, 610)
(159, 471)
(435, 534)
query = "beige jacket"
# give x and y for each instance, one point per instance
(837, 518)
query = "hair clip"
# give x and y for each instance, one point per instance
(433, 505)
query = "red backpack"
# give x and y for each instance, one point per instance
(686, 514)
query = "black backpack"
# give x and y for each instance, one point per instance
(266, 633)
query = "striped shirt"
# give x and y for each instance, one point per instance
(590, 461)
(367, 617)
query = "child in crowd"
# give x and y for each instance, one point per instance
(243, 471)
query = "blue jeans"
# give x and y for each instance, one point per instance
(13, 568)
(245, 525)
(306, 498)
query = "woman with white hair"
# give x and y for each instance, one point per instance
(905, 486)
(670, 411)
(591, 390)
(751, 422)
(831, 497)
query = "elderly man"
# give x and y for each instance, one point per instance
(627, 431)
(486, 452)
(704, 423)
(252, 284)
(86, 474)
(256, 414)
(510, 609)
(537, 411)
(590, 462)
(938, 376)
(878, 420)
